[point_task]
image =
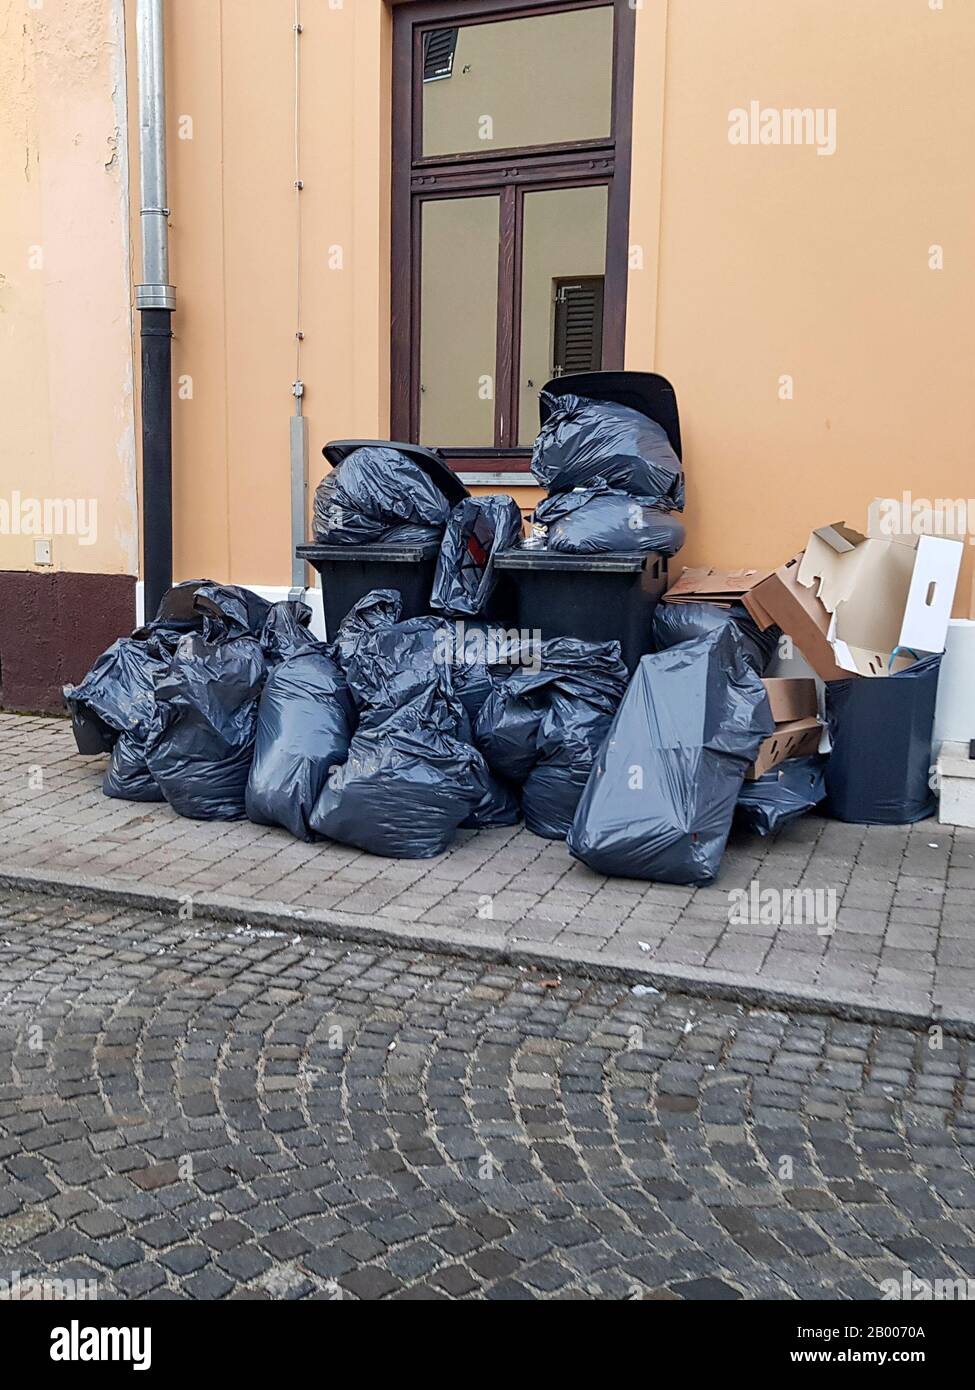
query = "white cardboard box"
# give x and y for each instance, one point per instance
(889, 597)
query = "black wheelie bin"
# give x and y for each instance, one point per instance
(348, 572)
(606, 596)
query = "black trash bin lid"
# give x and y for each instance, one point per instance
(650, 394)
(432, 462)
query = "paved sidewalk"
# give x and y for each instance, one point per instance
(903, 948)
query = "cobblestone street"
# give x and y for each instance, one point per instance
(193, 1109)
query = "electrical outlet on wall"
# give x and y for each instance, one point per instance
(42, 553)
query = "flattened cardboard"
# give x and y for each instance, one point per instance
(707, 585)
(791, 698)
(798, 739)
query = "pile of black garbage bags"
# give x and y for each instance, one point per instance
(389, 739)
(399, 733)
(613, 479)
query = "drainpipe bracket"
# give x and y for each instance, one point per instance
(155, 297)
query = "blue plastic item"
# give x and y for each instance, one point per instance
(880, 769)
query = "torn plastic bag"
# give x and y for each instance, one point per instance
(674, 623)
(584, 439)
(541, 728)
(379, 608)
(117, 696)
(478, 529)
(662, 794)
(305, 723)
(231, 611)
(406, 787)
(598, 519)
(403, 664)
(127, 777)
(781, 795)
(378, 495)
(201, 743)
(879, 770)
(286, 631)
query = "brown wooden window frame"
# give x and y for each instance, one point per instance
(508, 174)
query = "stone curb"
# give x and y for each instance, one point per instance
(491, 947)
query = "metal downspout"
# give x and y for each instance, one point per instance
(155, 300)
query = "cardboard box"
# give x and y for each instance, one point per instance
(791, 698)
(798, 612)
(797, 739)
(704, 585)
(862, 605)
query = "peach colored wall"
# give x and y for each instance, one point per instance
(66, 417)
(750, 264)
(776, 261)
(230, 79)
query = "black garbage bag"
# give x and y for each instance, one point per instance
(598, 518)
(571, 734)
(127, 777)
(781, 795)
(674, 623)
(479, 528)
(403, 664)
(305, 723)
(378, 495)
(176, 616)
(117, 696)
(286, 631)
(498, 807)
(541, 729)
(406, 787)
(507, 727)
(475, 647)
(231, 611)
(661, 797)
(92, 735)
(201, 742)
(379, 608)
(879, 770)
(584, 439)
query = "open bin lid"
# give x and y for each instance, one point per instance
(650, 394)
(430, 460)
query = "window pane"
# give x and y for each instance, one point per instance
(563, 265)
(459, 321)
(546, 80)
